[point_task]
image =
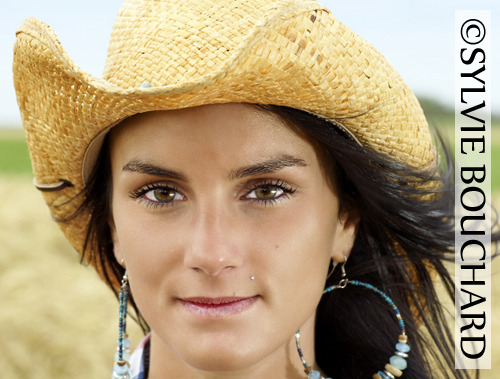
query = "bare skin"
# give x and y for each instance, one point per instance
(227, 225)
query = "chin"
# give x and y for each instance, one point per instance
(224, 358)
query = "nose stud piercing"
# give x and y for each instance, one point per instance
(252, 277)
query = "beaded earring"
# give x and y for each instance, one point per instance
(121, 370)
(397, 363)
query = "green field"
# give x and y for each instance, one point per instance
(495, 168)
(14, 156)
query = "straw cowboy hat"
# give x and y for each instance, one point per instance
(184, 53)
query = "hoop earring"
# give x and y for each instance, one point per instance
(397, 363)
(121, 370)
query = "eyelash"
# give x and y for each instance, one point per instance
(280, 184)
(139, 194)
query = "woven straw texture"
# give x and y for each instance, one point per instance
(291, 53)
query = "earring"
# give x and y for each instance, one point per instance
(397, 363)
(121, 370)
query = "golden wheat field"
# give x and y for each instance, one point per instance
(57, 319)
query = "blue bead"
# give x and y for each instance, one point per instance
(120, 370)
(314, 375)
(145, 85)
(398, 362)
(125, 356)
(126, 343)
(402, 347)
(383, 375)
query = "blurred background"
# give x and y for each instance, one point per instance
(57, 319)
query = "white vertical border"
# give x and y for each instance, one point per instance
(473, 337)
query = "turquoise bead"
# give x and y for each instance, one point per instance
(398, 362)
(314, 375)
(382, 375)
(145, 85)
(126, 356)
(126, 343)
(402, 347)
(120, 370)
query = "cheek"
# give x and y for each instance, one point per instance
(298, 246)
(291, 257)
(145, 243)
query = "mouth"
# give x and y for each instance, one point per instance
(216, 307)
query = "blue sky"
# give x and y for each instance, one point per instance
(417, 38)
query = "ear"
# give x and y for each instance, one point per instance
(347, 230)
(116, 244)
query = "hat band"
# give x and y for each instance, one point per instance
(52, 186)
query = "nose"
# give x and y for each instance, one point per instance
(212, 249)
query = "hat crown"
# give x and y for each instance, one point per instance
(201, 37)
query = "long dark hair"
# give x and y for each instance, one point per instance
(405, 235)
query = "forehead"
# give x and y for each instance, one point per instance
(221, 133)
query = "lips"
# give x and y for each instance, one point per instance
(217, 307)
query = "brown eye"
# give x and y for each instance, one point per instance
(162, 195)
(267, 192)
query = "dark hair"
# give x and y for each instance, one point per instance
(405, 235)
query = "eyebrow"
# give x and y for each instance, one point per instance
(151, 169)
(267, 166)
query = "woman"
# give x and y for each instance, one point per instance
(233, 155)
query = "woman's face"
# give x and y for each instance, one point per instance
(226, 224)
